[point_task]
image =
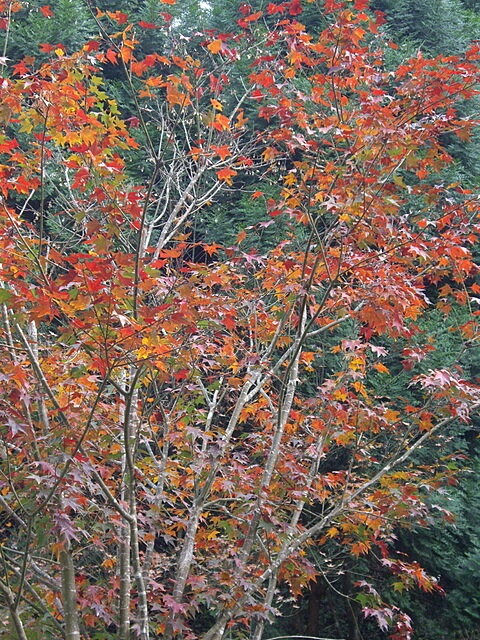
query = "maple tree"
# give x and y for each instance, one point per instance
(166, 459)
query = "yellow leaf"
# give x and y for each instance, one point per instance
(27, 126)
(109, 563)
(398, 180)
(216, 104)
(340, 394)
(356, 364)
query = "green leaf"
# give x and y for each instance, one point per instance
(5, 295)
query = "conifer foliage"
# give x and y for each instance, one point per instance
(166, 459)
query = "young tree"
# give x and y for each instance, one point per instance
(172, 443)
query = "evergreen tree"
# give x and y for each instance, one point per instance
(65, 22)
(435, 26)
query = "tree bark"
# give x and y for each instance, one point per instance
(69, 594)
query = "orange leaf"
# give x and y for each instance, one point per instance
(46, 47)
(241, 236)
(215, 46)
(226, 175)
(381, 367)
(241, 120)
(221, 123)
(118, 16)
(360, 548)
(46, 11)
(112, 56)
(222, 151)
(254, 17)
(422, 173)
(126, 53)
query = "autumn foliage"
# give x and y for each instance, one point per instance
(183, 422)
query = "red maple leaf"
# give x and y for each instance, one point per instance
(46, 11)
(295, 8)
(147, 25)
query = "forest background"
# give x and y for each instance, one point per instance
(355, 577)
